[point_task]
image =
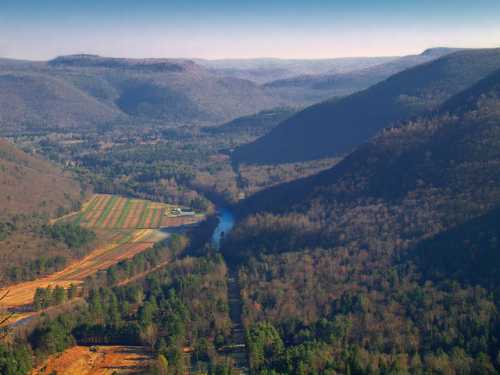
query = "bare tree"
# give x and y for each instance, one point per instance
(4, 316)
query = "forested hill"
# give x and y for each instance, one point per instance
(33, 190)
(431, 174)
(29, 185)
(87, 91)
(336, 127)
(256, 125)
(469, 253)
(317, 87)
(388, 262)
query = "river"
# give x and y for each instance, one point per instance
(236, 347)
(226, 223)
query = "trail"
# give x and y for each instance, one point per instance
(237, 349)
(143, 274)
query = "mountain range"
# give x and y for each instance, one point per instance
(400, 187)
(336, 127)
(89, 91)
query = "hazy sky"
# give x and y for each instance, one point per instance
(41, 29)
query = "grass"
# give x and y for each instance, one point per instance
(89, 207)
(124, 214)
(107, 211)
(144, 215)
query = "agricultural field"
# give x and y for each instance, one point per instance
(124, 228)
(105, 211)
(99, 360)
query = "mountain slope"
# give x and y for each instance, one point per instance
(392, 253)
(33, 186)
(32, 191)
(333, 128)
(341, 83)
(91, 91)
(469, 252)
(32, 100)
(418, 179)
(254, 125)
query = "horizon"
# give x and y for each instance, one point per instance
(220, 29)
(194, 58)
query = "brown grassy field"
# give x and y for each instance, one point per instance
(123, 245)
(102, 360)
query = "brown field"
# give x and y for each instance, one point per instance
(101, 360)
(122, 246)
(124, 227)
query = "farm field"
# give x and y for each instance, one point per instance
(105, 211)
(101, 360)
(124, 228)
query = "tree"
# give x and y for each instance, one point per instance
(39, 299)
(162, 364)
(72, 291)
(58, 295)
(4, 317)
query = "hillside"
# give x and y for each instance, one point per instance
(469, 252)
(381, 255)
(32, 190)
(254, 125)
(334, 128)
(87, 91)
(37, 101)
(318, 87)
(32, 185)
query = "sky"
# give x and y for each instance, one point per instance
(305, 29)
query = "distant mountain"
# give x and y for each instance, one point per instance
(267, 69)
(95, 61)
(32, 100)
(334, 128)
(91, 91)
(315, 88)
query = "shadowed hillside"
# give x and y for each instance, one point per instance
(254, 125)
(335, 127)
(316, 88)
(384, 252)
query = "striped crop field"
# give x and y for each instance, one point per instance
(105, 211)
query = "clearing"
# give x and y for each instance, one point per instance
(97, 360)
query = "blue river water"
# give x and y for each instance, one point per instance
(226, 223)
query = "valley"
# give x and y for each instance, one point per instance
(193, 221)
